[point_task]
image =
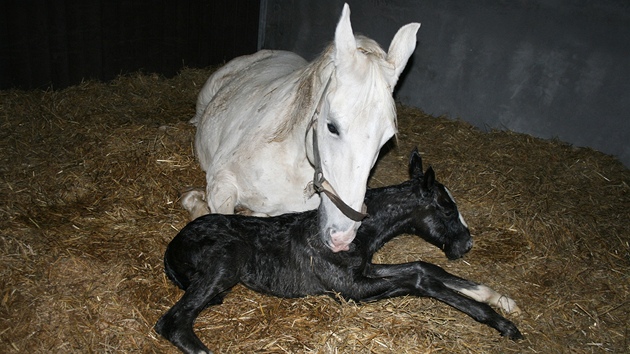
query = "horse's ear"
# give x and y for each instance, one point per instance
(429, 179)
(345, 43)
(401, 48)
(415, 164)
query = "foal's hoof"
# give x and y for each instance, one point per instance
(512, 332)
(509, 306)
(182, 337)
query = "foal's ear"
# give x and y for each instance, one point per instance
(429, 179)
(401, 48)
(345, 43)
(415, 164)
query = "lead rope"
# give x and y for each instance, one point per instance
(320, 184)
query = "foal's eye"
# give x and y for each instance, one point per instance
(448, 213)
(446, 210)
(333, 129)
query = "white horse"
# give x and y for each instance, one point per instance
(256, 118)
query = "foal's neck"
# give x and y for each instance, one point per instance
(390, 211)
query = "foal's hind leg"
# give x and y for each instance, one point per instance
(177, 324)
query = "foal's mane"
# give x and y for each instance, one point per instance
(316, 74)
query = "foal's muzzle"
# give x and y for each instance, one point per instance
(458, 249)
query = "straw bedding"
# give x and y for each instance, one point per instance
(89, 200)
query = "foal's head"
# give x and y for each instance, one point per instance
(357, 118)
(435, 217)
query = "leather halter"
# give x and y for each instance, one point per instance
(320, 183)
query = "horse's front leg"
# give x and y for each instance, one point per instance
(222, 192)
(428, 280)
(193, 200)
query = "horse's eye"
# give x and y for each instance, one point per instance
(333, 129)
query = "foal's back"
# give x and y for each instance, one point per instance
(265, 254)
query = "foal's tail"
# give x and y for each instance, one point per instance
(181, 282)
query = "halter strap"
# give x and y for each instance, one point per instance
(319, 181)
(321, 184)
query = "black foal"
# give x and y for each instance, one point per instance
(285, 257)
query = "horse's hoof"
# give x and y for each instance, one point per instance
(194, 201)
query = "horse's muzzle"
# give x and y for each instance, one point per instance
(340, 240)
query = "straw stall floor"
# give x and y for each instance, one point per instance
(89, 200)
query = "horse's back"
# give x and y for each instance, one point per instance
(273, 63)
(243, 101)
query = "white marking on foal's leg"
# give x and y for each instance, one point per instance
(193, 201)
(486, 295)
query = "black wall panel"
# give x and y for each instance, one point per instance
(60, 43)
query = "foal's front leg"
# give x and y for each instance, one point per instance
(428, 280)
(475, 291)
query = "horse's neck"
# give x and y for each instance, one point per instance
(312, 84)
(309, 83)
(316, 76)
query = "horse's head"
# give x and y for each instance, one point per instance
(357, 117)
(435, 216)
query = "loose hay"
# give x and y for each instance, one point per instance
(90, 181)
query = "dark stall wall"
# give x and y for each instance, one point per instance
(549, 68)
(62, 42)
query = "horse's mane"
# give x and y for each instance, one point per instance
(316, 74)
(378, 66)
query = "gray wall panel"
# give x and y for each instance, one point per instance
(552, 69)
